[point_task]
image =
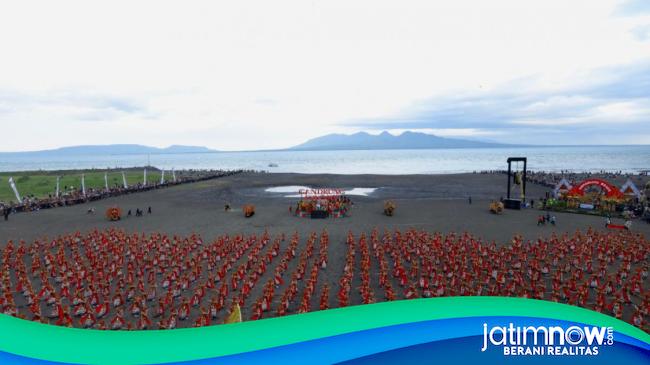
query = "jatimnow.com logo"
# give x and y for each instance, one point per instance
(547, 340)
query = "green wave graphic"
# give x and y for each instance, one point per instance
(53, 343)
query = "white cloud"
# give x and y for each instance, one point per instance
(619, 112)
(199, 69)
(623, 111)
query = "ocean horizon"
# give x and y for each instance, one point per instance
(627, 159)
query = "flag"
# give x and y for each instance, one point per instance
(173, 175)
(162, 177)
(83, 184)
(234, 316)
(145, 176)
(58, 178)
(124, 180)
(13, 187)
(106, 181)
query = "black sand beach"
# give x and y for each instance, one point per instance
(429, 202)
(432, 203)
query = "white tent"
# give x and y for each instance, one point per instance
(629, 188)
(562, 185)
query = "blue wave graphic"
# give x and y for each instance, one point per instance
(455, 351)
(7, 358)
(465, 333)
(454, 340)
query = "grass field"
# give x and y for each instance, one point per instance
(42, 183)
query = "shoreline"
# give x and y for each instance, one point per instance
(594, 159)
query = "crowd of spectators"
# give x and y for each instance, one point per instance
(551, 179)
(75, 195)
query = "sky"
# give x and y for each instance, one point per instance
(248, 75)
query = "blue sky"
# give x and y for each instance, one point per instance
(259, 74)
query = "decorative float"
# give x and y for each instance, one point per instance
(496, 207)
(389, 208)
(594, 195)
(114, 214)
(322, 203)
(249, 210)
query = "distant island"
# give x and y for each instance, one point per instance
(387, 141)
(332, 142)
(118, 149)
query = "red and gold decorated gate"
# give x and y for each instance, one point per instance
(610, 190)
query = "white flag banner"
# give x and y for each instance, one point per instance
(106, 180)
(83, 184)
(162, 177)
(173, 175)
(13, 187)
(58, 184)
(124, 180)
(145, 176)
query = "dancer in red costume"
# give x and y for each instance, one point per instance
(93, 279)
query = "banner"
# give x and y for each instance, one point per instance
(445, 330)
(83, 184)
(58, 182)
(124, 181)
(13, 187)
(144, 179)
(322, 193)
(234, 316)
(173, 175)
(162, 177)
(106, 181)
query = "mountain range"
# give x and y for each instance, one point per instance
(387, 141)
(119, 149)
(356, 141)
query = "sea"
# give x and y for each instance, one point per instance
(627, 159)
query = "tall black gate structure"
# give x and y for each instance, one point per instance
(510, 202)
